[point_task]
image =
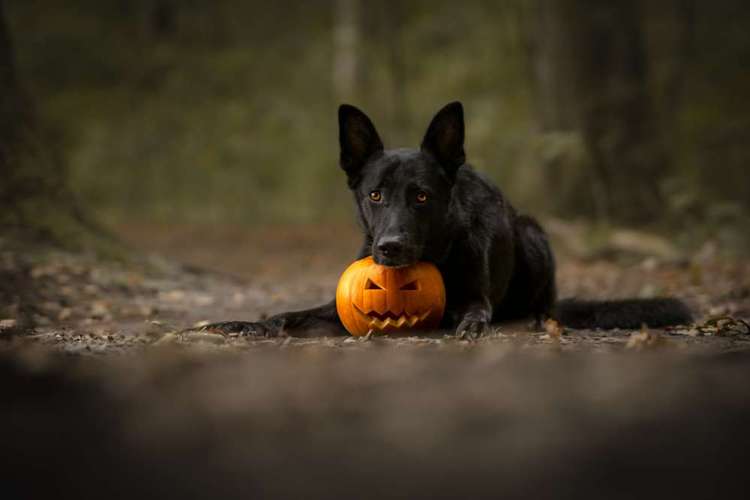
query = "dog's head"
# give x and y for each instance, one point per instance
(403, 195)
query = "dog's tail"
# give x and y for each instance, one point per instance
(629, 313)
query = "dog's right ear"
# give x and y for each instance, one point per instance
(358, 139)
(445, 138)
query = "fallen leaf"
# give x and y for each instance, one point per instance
(7, 324)
(167, 339)
(204, 336)
(554, 329)
(646, 340)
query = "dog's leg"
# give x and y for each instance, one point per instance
(316, 322)
(533, 283)
(469, 288)
(475, 320)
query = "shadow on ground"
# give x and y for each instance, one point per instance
(407, 423)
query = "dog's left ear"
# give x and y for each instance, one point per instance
(445, 138)
(358, 139)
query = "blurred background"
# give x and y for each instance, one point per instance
(205, 131)
(221, 115)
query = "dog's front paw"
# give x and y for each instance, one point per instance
(269, 328)
(471, 329)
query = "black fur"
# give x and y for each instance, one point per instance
(631, 313)
(427, 204)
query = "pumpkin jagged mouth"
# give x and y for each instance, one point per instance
(382, 321)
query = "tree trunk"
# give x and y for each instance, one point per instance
(20, 178)
(551, 58)
(10, 107)
(591, 70)
(345, 49)
(392, 15)
(163, 18)
(34, 197)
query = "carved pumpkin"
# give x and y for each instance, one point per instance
(387, 299)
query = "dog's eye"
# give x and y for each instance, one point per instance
(376, 196)
(421, 197)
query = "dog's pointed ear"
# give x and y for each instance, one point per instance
(358, 139)
(444, 138)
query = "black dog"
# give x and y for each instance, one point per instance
(428, 204)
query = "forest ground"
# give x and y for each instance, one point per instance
(187, 277)
(107, 380)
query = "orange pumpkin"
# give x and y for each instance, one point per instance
(387, 299)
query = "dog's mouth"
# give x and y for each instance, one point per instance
(378, 321)
(393, 261)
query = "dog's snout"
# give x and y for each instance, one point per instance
(391, 246)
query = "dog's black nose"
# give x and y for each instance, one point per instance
(390, 246)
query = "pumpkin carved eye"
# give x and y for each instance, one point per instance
(412, 285)
(371, 285)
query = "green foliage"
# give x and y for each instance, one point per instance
(231, 116)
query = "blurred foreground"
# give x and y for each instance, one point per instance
(382, 421)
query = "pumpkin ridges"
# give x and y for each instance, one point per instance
(423, 307)
(395, 299)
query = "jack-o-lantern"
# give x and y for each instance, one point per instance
(390, 299)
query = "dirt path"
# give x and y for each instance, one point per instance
(83, 305)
